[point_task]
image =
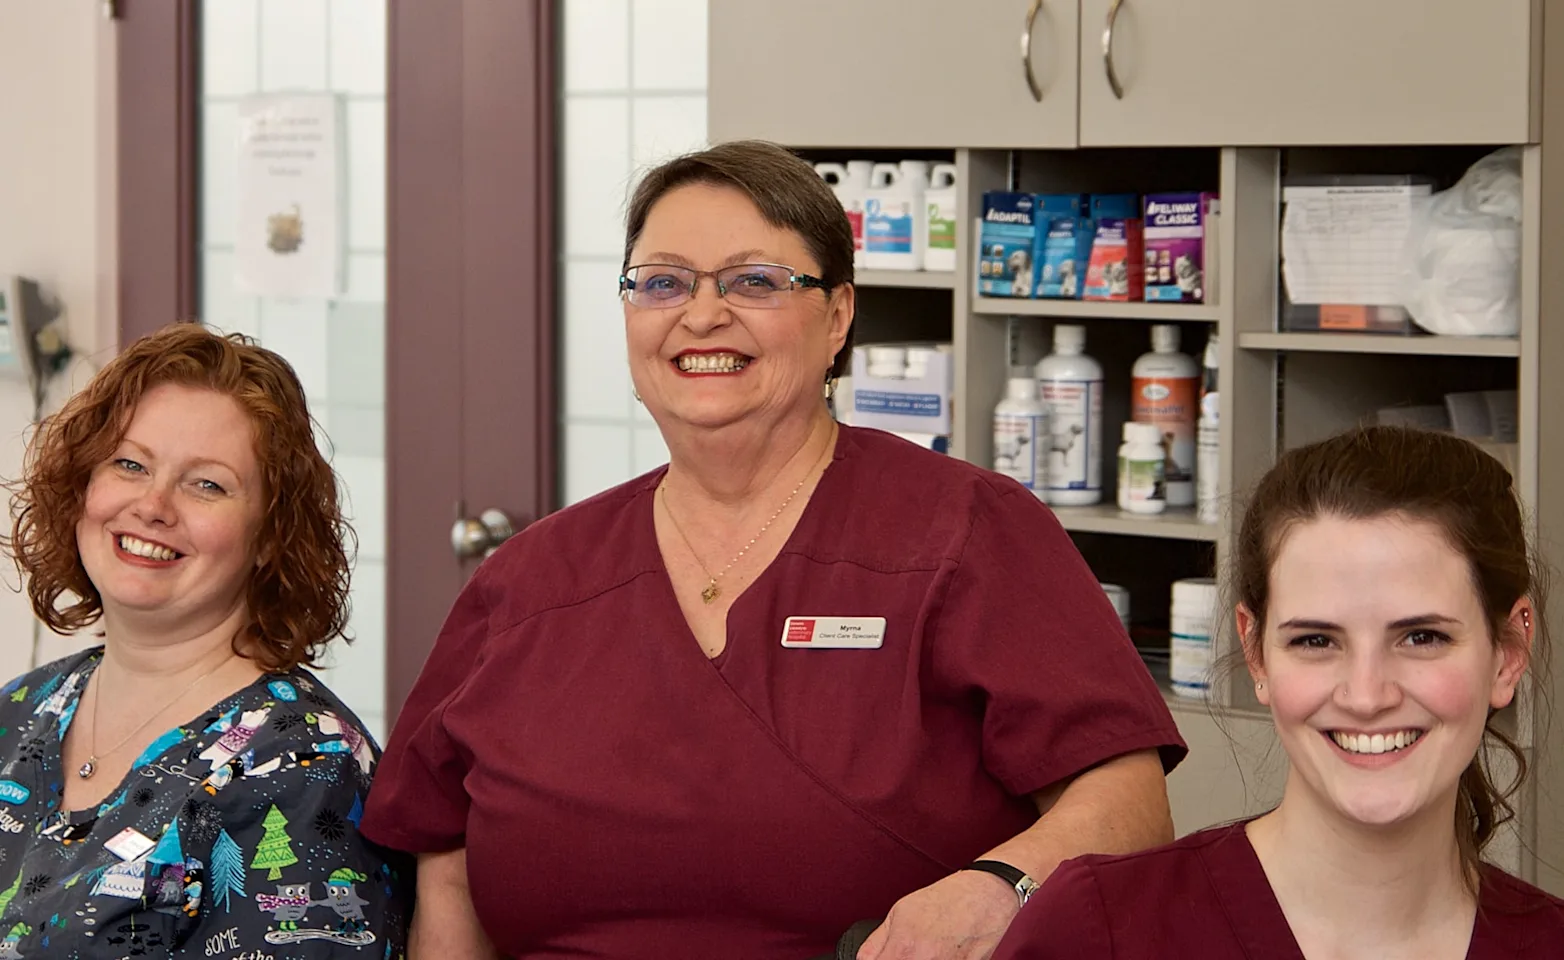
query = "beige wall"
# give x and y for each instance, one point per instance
(56, 209)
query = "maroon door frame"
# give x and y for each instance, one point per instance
(470, 409)
(470, 276)
(156, 92)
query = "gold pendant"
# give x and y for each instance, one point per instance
(88, 768)
(709, 592)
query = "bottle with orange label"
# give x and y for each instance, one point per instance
(1166, 386)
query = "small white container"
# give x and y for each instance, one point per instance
(1071, 385)
(939, 251)
(1194, 615)
(1120, 598)
(1208, 441)
(888, 363)
(1141, 461)
(1021, 434)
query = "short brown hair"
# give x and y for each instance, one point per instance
(1436, 478)
(298, 594)
(784, 187)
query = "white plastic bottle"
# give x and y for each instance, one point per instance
(895, 223)
(1021, 434)
(1208, 447)
(1071, 386)
(1194, 610)
(1141, 463)
(1165, 392)
(940, 248)
(850, 182)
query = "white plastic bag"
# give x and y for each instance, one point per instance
(1462, 270)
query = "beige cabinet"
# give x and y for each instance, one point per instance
(893, 73)
(1340, 72)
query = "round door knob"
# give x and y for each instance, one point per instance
(472, 538)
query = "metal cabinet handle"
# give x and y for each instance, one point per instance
(1026, 50)
(1107, 50)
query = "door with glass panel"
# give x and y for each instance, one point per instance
(430, 368)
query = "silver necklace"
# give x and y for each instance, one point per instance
(86, 770)
(711, 591)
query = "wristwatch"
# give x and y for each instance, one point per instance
(1023, 885)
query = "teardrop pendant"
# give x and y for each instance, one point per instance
(709, 592)
(88, 769)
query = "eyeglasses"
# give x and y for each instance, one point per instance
(661, 285)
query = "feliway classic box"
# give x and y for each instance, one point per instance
(1008, 245)
(1175, 235)
(1116, 271)
(911, 404)
(1065, 241)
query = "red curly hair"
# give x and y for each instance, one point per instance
(298, 594)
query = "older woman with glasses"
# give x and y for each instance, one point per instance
(805, 675)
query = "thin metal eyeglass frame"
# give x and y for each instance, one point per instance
(796, 280)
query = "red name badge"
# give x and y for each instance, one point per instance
(834, 633)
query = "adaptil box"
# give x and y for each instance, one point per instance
(1007, 245)
(1117, 270)
(1175, 246)
(1065, 239)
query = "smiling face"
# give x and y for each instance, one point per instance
(168, 525)
(711, 362)
(1378, 665)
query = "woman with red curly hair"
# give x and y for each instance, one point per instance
(187, 787)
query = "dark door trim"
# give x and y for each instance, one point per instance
(157, 154)
(470, 295)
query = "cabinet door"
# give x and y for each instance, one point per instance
(1268, 72)
(892, 73)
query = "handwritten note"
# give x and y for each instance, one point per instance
(1345, 244)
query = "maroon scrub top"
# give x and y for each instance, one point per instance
(621, 795)
(1207, 896)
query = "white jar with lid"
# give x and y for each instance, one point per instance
(1194, 616)
(887, 363)
(1142, 488)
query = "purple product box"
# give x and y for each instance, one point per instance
(1175, 235)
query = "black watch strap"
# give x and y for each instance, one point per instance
(1023, 885)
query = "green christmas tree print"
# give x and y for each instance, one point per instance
(10, 893)
(227, 870)
(274, 851)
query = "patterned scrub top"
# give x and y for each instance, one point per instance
(239, 833)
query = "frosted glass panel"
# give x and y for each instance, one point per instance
(634, 94)
(336, 346)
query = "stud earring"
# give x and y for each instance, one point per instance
(636, 394)
(1526, 620)
(1259, 686)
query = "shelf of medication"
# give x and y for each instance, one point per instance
(1173, 524)
(1386, 344)
(907, 279)
(1097, 309)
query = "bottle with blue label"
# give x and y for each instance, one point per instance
(895, 223)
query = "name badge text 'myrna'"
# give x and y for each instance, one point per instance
(834, 633)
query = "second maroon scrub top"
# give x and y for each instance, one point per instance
(1207, 896)
(620, 795)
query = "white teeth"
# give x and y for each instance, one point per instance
(142, 548)
(712, 362)
(1376, 743)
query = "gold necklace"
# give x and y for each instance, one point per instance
(711, 592)
(86, 770)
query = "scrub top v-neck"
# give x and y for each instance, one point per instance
(621, 795)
